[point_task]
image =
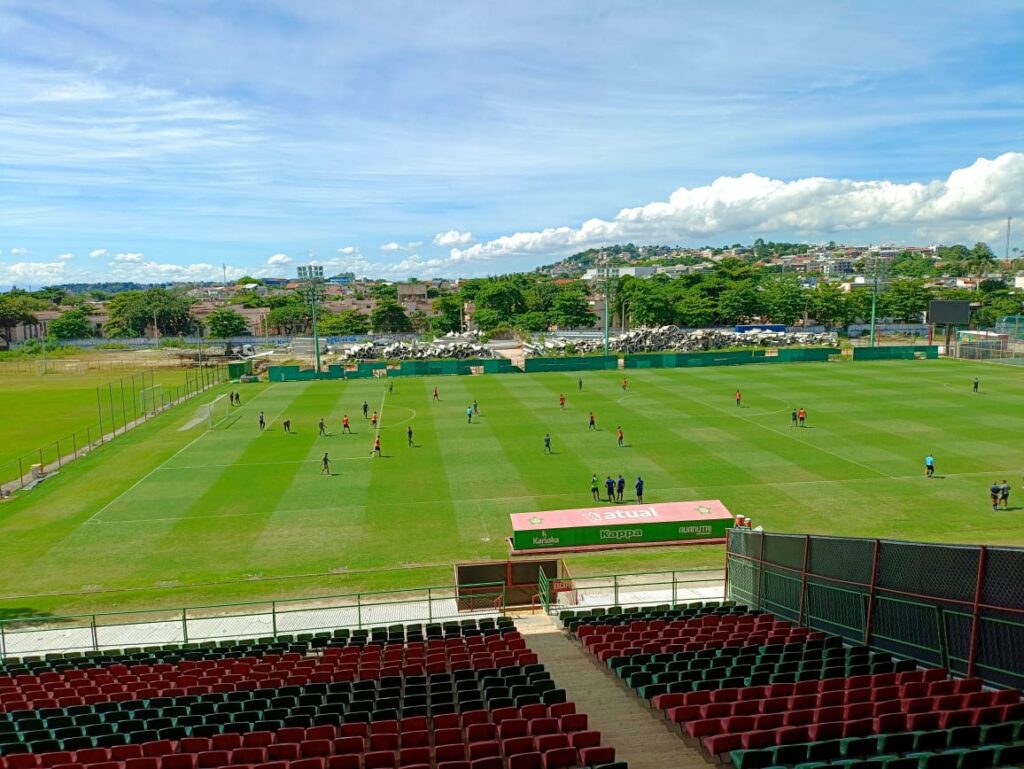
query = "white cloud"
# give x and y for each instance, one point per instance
(279, 260)
(66, 256)
(754, 205)
(392, 246)
(131, 257)
(157, 272)
(31, 272)
(349, 250)
(19, 251)
(98, 252)
(453, 238)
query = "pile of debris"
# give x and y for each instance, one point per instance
(439, 349)
(675, 339)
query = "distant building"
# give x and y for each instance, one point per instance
(604, 273)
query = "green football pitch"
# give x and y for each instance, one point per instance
(172, 515)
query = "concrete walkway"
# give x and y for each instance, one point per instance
(637, 733)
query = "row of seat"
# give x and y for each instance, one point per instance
(397, 653)
(301, 643)
(856, 695)
(573, 618)
(898, 743)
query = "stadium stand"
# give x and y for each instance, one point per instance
(466, 695)
(747, 688)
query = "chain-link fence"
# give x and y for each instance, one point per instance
(954, 606)
(121, 404)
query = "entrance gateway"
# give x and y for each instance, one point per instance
(603, 528)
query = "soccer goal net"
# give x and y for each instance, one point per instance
(217, 409)
(58, 366)
(152, 398)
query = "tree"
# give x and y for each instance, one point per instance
(13, 312)
(504, 296)
(911, 265)
(905, 300)
(694, 309)
(133, 312)
(389, 317)
(783, 299)
(345, 323)
(571, 308)
(245, 280)
(449, 307)
(738, 303)
(70, 325)
(829, 305)
(291, 318)
(980, 260)
(533, 321)
(381, 291)
(223, 323)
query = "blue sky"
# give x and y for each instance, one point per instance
(159, 140)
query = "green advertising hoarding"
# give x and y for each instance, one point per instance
(620, 526)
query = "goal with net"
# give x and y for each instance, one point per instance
(152, 398)
(217, 409)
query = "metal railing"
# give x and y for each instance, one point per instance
(635, 589)
(260, 619)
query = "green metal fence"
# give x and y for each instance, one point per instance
(896, 352)
(41, 635)
(954, 606)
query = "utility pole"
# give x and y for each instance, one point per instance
(1006, 254)
(313, 275)
(607, 309)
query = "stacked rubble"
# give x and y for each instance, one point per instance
(449, 348)
(675, 339)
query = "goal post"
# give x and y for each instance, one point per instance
(217, 409)
(152, 398)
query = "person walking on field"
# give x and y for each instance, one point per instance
(976, 383)
(594, 488)
(345, 426)
(1004, 495)
(625, 385)
(262, 421)
(408, 434)
(994, 492)
(609, 486)
(325, 465)
(579, 383)
(929, 466)
(593, 424)
(373, 420)
(639, 489)
(322, 426)
(792, 418)
(620, 487)
(469, 414)
(739, 399)
(801, 416)
(366, 409)
(561, 401)
(436, 396)
(287, 425)
(376, 446)
(618, 432)
(547, 443)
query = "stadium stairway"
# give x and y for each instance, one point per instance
(623, 720)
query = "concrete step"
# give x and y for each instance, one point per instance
(625, 721)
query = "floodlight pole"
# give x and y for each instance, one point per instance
(607, 318)
(874, 299)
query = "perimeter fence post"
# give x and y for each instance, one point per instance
(359, 611)
(184, 626)
(21, 473)
(430, 606)
(273, 618)
(74, 445)
(59, 465)
(615, 594)
(95, 635)
(803, 582)
(976, 608)
(869, 618)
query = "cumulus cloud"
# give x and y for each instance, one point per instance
(157, 272)
(755, 205)
(349, 250)
(19, 251)
(279, 260)
(454, 238)
(392, 246)
(31, 272)
(98, 252)
(66, 256)
(129, 258)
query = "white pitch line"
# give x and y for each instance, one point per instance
(188, 445)
(380, 420)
